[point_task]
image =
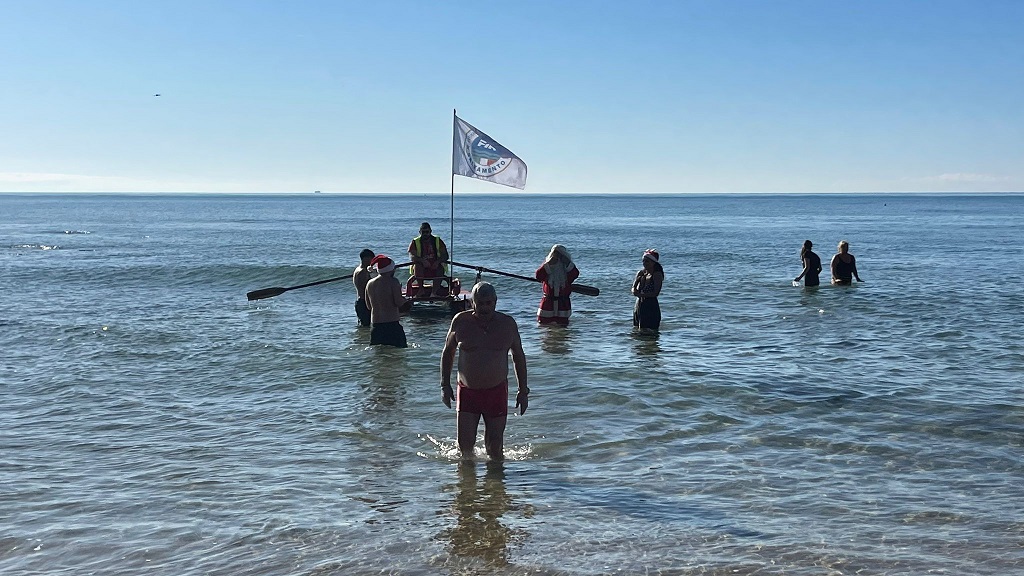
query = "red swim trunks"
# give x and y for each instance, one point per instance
(491, 401)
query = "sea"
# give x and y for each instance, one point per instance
(155, 421)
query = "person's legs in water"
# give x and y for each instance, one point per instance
(494, 436)
(467, 425)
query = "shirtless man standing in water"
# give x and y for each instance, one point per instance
(386, 303)
(359, 279)
(484, 339)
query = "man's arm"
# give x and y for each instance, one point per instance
(396, 294)
(519, 362)
(447, 362)
(413, 255)
(360, 278)
(443, 256)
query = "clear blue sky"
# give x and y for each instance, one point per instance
(672, 96)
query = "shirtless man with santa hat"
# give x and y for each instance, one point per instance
(386, 303)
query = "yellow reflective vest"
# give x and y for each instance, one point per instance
(437, 251)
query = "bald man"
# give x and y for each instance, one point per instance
(483, 339)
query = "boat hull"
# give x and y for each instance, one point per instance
(440, 293)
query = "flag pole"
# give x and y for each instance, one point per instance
(451, 246)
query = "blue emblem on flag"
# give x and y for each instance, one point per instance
(489, 158)
(477, 155)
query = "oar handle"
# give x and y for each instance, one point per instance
(276, 291)
(335, 279)
(482, 269)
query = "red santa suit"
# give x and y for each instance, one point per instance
(557, 278)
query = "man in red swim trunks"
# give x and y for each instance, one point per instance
(483, 338)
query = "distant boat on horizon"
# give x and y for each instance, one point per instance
(316, 192)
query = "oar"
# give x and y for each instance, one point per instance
(277, 290)
(580, 288)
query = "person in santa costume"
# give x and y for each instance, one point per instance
(557, 274)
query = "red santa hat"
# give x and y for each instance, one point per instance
(383, 263)
(651, 254)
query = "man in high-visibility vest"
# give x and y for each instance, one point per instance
(428, 254)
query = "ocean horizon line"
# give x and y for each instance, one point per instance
(517, 194)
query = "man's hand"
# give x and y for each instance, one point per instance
(522, 401)
(447, 394)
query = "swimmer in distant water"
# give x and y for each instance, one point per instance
(812, 265)
(844, 266)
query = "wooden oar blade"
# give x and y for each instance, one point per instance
(586, 290)
(265, 293)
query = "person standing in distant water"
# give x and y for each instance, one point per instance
(646, 288)
(428, 254)
(557, 274)
(359, 279)
(386, 303)
(844, 266)
(812, 266)
(483, 338)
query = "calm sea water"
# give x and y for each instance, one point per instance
(153, 421)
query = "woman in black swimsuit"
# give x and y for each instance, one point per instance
(844, 266)
(646, 287)
(812, 265)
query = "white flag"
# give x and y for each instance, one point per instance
(477, 155)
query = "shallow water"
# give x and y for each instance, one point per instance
(155, 421)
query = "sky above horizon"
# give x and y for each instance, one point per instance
(604, 97)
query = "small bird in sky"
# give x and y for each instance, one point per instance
(155, 94)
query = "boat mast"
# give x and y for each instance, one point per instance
(451, 220)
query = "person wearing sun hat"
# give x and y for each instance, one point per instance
(386, 303)
(646, 288)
